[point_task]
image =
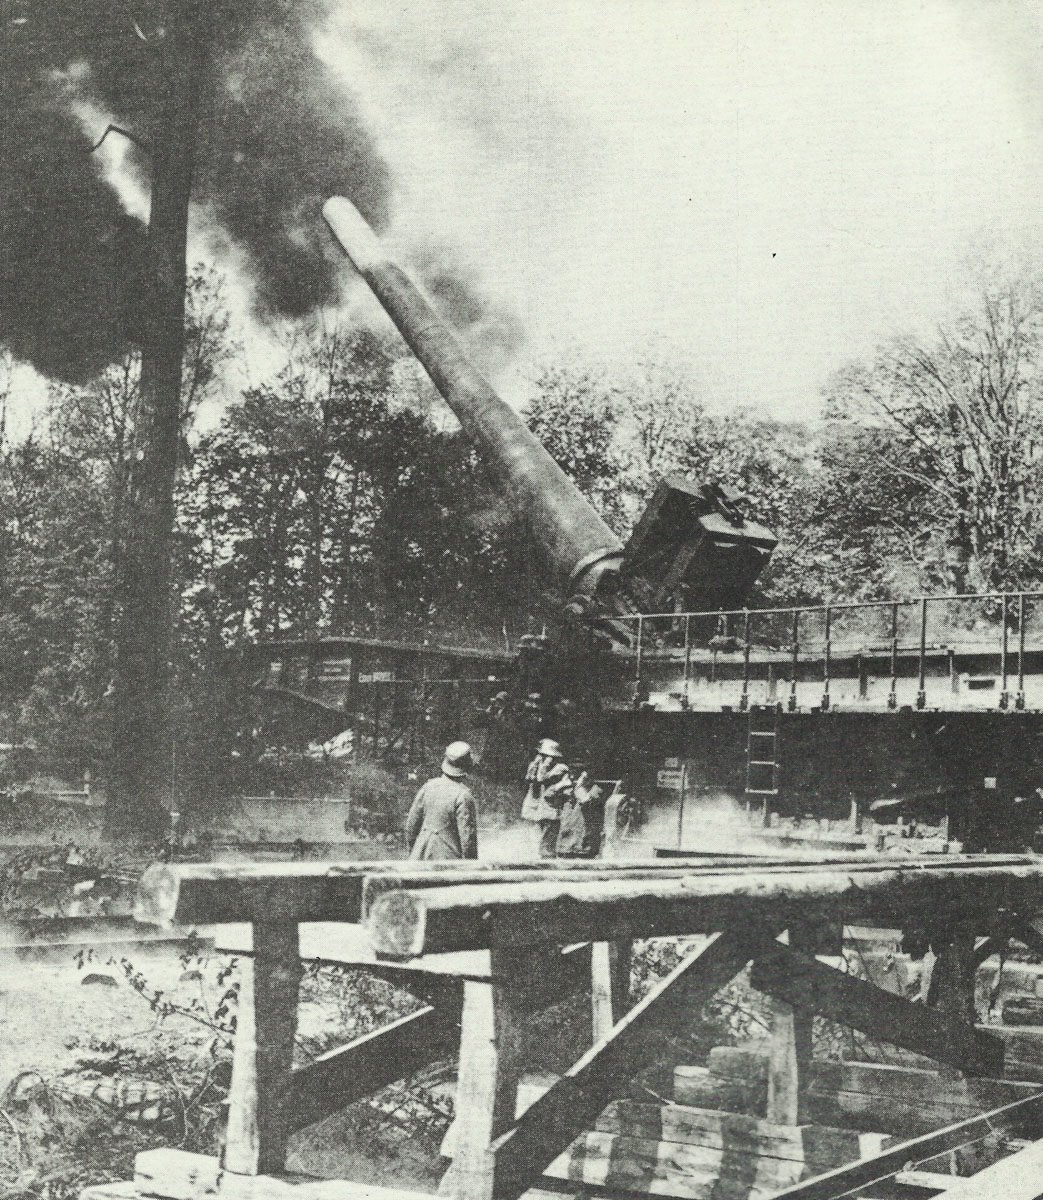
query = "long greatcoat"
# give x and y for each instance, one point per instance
(442, 822)
(582, 822)
(548, 781)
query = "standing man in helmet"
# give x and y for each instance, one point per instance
(442, 822)
(548, 785)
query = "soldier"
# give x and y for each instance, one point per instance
(582, 820)
(443, 820)
(549, 782)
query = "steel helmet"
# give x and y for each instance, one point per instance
(550, 748)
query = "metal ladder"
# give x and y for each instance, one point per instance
(762, 758)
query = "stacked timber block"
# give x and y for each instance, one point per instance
(880, 1097)
(696, 1153)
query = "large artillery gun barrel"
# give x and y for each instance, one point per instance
(580, 546)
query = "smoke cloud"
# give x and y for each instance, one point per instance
(69, 264)
(278, 137)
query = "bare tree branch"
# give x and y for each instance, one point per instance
(131, 137)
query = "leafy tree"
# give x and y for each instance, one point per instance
(65, 491)
(617, 437)
(576, 411)
(955, 427)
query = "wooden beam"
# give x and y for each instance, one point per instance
(894, 1100)
(406, 924)
(224, 893)
(221, 893)
(364, 1066)
(1023, 1114)
(574, 1102)
(262, 1057)
(561, 871)
(804, 981)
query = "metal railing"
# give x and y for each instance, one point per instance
(990, 623)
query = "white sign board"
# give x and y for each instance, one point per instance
(671, 780)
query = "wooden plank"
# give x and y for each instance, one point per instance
(406, 924)
(917, 1085)
(928, 1181)
(342, 1076)
(797, 979)
(863, 1174)
(697, 1087)
(551, 1123)
(262, 1057)
(1023, 1056)
(181, 1175)
(111, 1191)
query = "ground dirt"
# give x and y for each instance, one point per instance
(82, 1035)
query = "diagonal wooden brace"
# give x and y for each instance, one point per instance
(805, 982)
(338, 1078)
(523, 1152)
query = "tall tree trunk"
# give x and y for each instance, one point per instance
(140, 776)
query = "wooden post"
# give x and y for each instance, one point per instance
(951, 988)
(491, 1065)
(790, 1045)
(610, 985)
(258, 1127)
(789, 1052)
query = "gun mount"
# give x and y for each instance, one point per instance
(692, 540)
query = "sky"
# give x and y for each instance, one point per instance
(773, 189)
(767, 191)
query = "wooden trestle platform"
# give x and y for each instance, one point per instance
(488, 947)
